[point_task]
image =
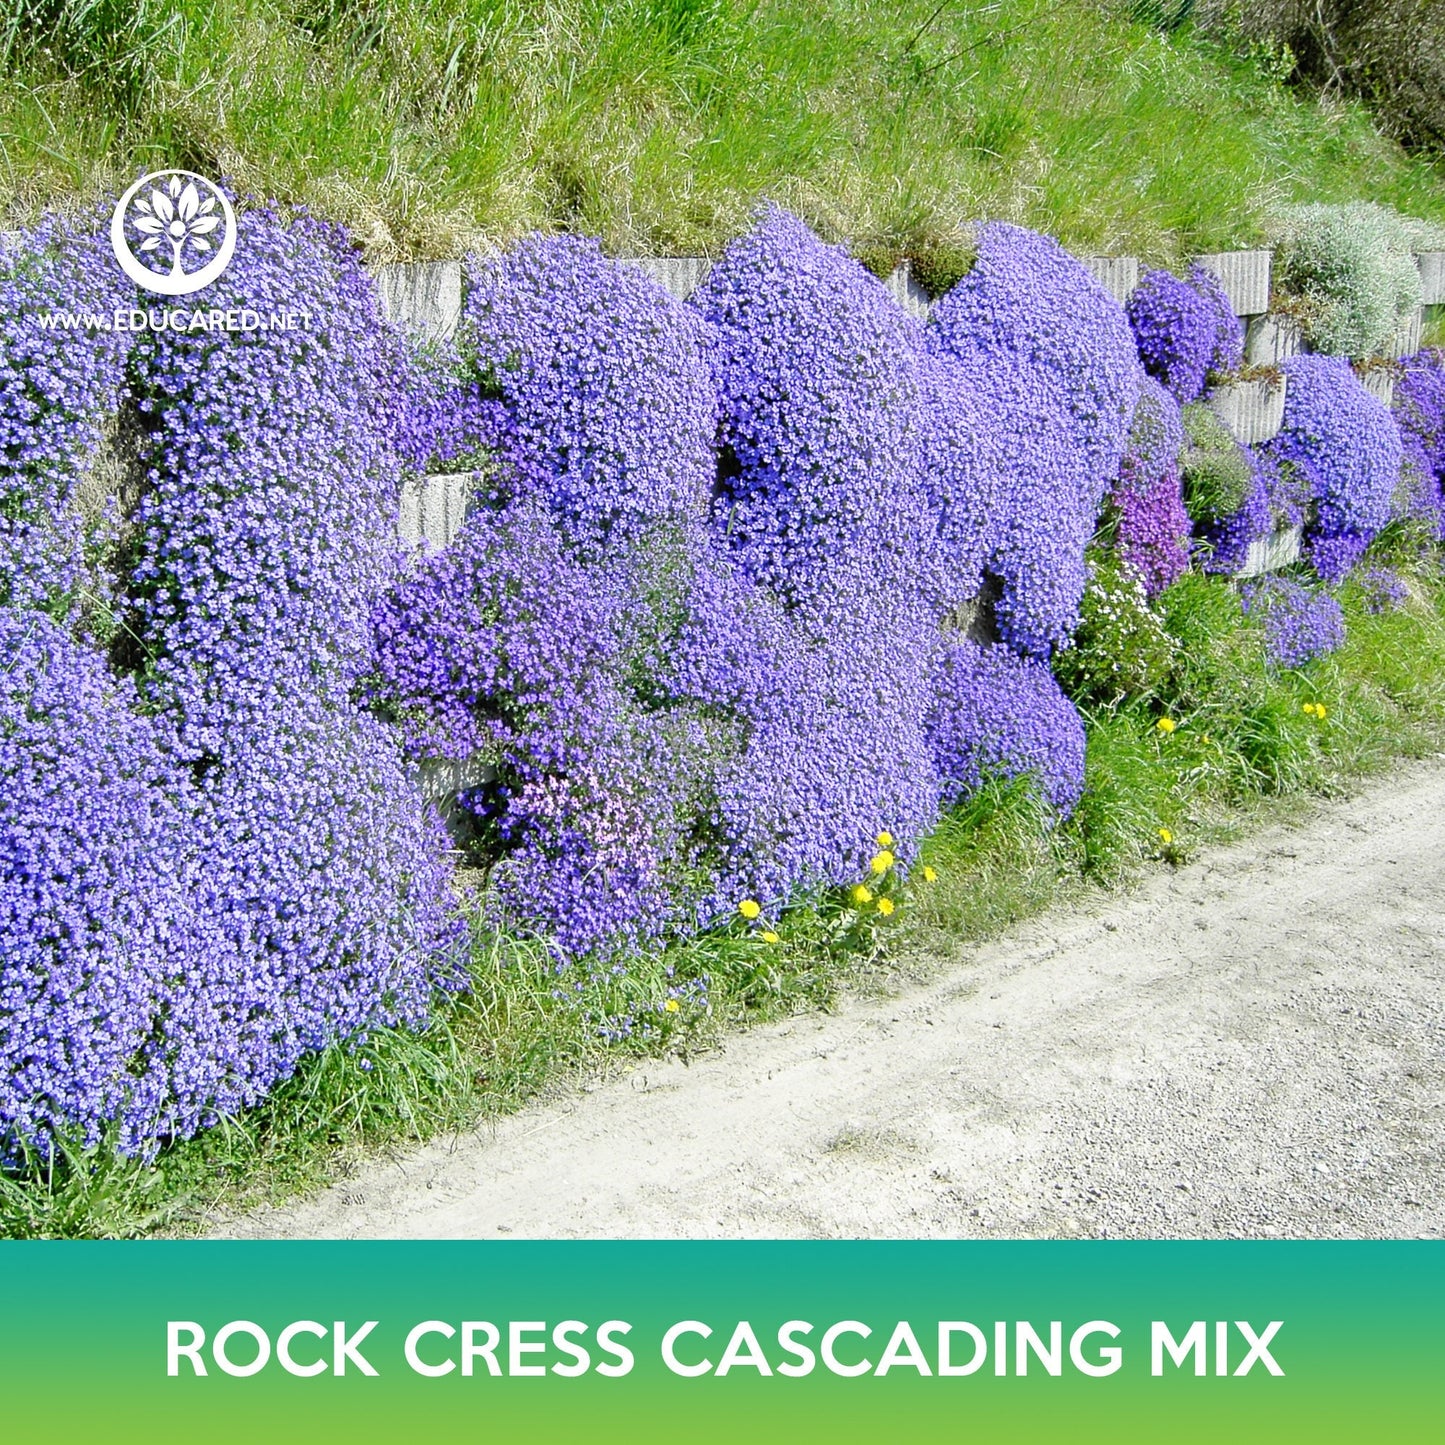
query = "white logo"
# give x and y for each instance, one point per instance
(173, 232)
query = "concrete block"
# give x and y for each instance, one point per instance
(976, 618)
(1380, 381)
(434, 508)
(1268, 340)
(908, 293)
(1244, 276)
(1252, 410)
(425, 297)
(1119, 275)
(441, 778)
(1432, 277)
(681, 275)
(1269, 554)
(1406, 341)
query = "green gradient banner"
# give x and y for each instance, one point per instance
(89, 1331)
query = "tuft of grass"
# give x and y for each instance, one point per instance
(432, 126)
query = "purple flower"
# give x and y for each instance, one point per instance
(1300, 624)
(1346, 448)
(1185, 330)
(995, 714)
(1153, 528)
(1049, 360)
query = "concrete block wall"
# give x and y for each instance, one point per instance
(1432, 277)
(1245, 276)
(1252, 410)
(427, 299)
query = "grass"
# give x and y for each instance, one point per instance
(434, 126)
(1242, 742)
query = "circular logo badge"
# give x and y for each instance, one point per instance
(173, 232)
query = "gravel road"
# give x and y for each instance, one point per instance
(1252, 1045)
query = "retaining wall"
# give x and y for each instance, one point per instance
(426, 298)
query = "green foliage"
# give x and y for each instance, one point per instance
(1348, 273)
(113, 48)
(1120, 649)
(1214, 471)
(659, 124)
(1391, 53)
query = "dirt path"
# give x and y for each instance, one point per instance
(1252, 1045)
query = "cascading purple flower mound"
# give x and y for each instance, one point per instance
(505, 648)
(826, 503)
(605, 381)
(445, 421)
(1185, 330)
(999, 715)
(1345, 444)
(1153, 528)
(266, 531)
(307, 896)
(1048, 356)
(1300, 623)
(98, 862)
(1420, 414)
(58, 390)
(821, 418)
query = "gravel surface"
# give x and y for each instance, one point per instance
(1252, 1045)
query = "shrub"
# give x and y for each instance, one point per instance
(1185, 330)
(1217, 474)
(1351, 273)
(98, 861)
(1229, 491)
(1027, 295)
(1300, 623)
(319, 905)
(1121, 649)
(605, 383)
(1344, 444)
(1420, 414)
(819, 497)
(1151, 524)
(997, 714)
(58, 390)
(1048, 355)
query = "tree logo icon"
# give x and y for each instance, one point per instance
(173, 232)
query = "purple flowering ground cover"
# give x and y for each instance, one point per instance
(1343, 442)
(1185, 330)
(699, 637)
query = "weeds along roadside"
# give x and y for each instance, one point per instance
(1219, 748)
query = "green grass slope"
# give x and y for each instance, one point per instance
(434, 125)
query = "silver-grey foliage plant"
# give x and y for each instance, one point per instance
(1352, 273)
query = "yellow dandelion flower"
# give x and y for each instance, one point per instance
(885, 906)
(861, 894)
(1308, 709)
(1166, 837)
(672, 1006)
(1166, 724)
(882, 862)
(885, 839)
(750, 908)
(930, 875)
(1320, 711)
